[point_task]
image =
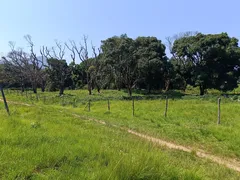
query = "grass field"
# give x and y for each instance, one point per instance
(45, 141)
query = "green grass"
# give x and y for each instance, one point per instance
(191, 120)
(40, 142)
(50, 135)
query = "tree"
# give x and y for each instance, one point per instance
(2, 74)
(82, 53)
(111, 53)
(152, 61)
(212, 60)
(58, 70)
(16, 65)
(35, 71)
(119, 52)
(181, 67)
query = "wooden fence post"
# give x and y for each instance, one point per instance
(37, 97)
(5, 101)
(26, 94)
(62, 100)
(166, 107)
(89, 105)
(73, 103)
(108, 105)
(219, 111)
(133, 107)
(44, 99)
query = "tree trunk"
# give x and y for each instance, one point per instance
(43, 85)
(22, 88)
(89, 90)
(89, 85)
(34, 89)
(149, 88)
(117, 85)
(202, 89)
(43, 88)
(98, 89)
(130, 91)
(167, 85)
(61, 90)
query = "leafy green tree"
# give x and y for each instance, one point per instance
(58, 72)
(150, 53)
(211, 60)
(111, 53)
(119, 52)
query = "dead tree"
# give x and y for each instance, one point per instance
(73, 57)
(98, 75)
(82, 52)
(16, 65)
(35, 69)
(57, 66)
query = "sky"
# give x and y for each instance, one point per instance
(50, 20)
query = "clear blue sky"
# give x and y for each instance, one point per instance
(47, 20)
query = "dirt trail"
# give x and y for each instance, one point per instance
(18, 103)
(230, 163)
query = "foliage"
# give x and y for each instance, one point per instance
(207, 61)
(58, 72)
(211, 60)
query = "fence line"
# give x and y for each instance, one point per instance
(65, 101)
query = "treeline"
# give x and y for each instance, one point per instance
(203, 60)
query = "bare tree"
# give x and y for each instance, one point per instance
(35, 69)
(16, 65)
(57, 67)
(81, 51)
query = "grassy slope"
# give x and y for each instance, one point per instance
(191, 120)
(43, 143)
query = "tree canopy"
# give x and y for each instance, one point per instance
(196, 59)
(211, 59)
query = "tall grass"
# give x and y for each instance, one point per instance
(45, 142)
(191, 120)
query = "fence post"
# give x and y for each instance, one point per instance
(44, 99)
(89, 105)
(37, 97)
(108, 105)
(219, 111)
(4, 99)
(133, 107)
(62, 100)
(166, 107)
(73, 103)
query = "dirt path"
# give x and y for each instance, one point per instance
(230, 163)
(18, 103)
